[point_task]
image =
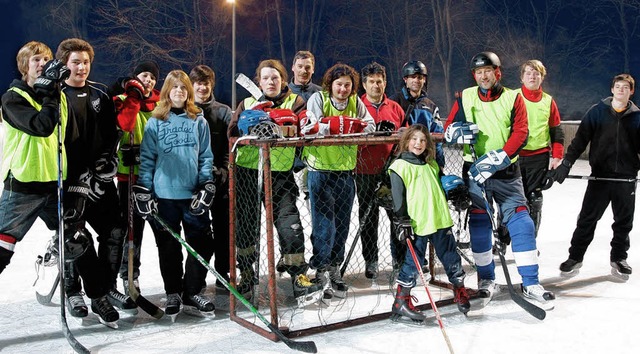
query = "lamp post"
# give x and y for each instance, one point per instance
(233, 54)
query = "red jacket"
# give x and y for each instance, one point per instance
(372, 158)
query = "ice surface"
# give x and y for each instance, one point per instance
(594, 313)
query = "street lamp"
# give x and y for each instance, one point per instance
(233, 54)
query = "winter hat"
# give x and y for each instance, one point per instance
(149, 66)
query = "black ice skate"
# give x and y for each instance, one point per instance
(403, 307)
(621, 269)
(247, 284)
(173, 306)
(337, 284)
(198, 305)
(305, 291)
(76, 305)
(570, 268)
(371, 270)
(107, 315)
(122, 301)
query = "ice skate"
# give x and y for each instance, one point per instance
(323, 278)
(570, 268)
(198, 305)
(461, 297)
(371, 270)
(47, 274)
(537, 293)
(337, 284)
(76, 305)
(173, 306)
(305, 291)
(403, 307)
(486, 288)
(107, 315)
(621, 269)
(247, 284)
(122, 301)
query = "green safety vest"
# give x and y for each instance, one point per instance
(493, 119)
(138, 132)
(426, 203)
(33, 158)
(538, 115)
(281, 157)
(333, 158)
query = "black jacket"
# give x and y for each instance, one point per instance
(614, 139)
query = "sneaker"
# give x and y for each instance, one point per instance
(302, 286)
(570, 265)
(538, 293)
(76, 305)
(120, 300)
(125, 285)
(371, 270)
(107, 314)
(173, 304)
(461, 297)
(198, 303)
(621, 266)
(486, 288)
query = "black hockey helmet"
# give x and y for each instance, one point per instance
(414, 67)
(485, 59)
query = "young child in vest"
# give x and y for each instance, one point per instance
(421, 214)
(176, 170)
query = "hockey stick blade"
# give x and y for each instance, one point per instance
(529, 307)
(250, 86)
(307, 347)
(46, 299)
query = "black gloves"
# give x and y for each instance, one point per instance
(404, 230)
(54, 71)
(144, 202)
(201, 201)
(562, 171)
(106, 167)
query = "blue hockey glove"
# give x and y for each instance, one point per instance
(461, 133)
(201, 201)
(488, 164)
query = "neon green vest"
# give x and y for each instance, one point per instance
(538, 115)
(281, 157)
(33, 158)
(426, 203)
(493, 120)
(334, 158)
(138, 131)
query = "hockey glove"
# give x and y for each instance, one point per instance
(106, 167)
(78, 194)
(404, 230)
(134, 88)
(201, 201)
(461, 133)
(308, 123)
(287, 120)
(385, 126)
(260, 106)
(488, 164)
(144, 202)
(344, 125)
(130, 155)
(562, 171)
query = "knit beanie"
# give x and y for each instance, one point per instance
(149, 66)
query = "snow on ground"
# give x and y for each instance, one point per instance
(594, 312)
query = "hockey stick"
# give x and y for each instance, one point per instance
(73, 342)
(307, 347)
(358, 237)
(247, 84)
(426, 287)
(606, 179)
(142, 302)
(532, 309)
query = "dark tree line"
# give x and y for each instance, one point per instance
(583, 43)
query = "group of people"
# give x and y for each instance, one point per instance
(168, 151)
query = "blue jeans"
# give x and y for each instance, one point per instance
(331, 197)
